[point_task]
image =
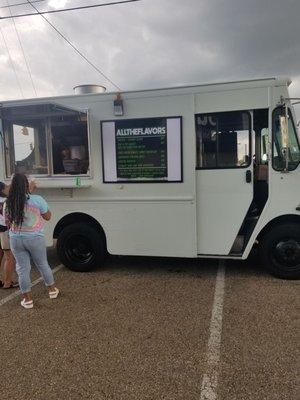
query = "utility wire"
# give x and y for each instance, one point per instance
(22, 49)
(12, 63)
(21, 4)
(69, 9)
(75, 48)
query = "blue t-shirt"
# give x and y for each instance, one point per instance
(33, 223)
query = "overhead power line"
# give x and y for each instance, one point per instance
(75, 48)
(23, 52)
(68, 9)
(12, 63)
(21, 4)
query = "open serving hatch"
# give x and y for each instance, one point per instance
(47, 141)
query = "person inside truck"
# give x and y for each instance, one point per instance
(60, 152)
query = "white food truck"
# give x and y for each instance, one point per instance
(198, 171)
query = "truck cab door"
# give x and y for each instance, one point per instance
(224, 178)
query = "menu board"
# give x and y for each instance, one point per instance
(142, 150)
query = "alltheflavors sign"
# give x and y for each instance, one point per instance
(141, 149)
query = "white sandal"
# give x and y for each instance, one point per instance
(54, 294)
(27, 304)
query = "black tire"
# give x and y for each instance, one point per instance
(280, 251)
(81, 247)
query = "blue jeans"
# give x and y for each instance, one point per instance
(24, 248)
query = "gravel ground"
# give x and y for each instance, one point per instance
(138, 329)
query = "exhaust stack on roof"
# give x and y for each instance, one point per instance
(88, 89)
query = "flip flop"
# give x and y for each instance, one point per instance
(12, 286)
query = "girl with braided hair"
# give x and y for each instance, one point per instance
(25, 214)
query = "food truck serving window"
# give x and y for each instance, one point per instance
(45, 139)
(142, 150)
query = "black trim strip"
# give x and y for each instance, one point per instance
(221, 256)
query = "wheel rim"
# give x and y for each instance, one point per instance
(78, 248)
(286, 253)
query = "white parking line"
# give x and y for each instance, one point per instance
(18, 292)
(210, 378)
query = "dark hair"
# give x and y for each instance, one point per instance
(15, 203)
(2, 187)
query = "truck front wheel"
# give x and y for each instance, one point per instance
(280, 251)
(81, 247)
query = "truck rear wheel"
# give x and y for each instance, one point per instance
(81, 247)
(280, 251)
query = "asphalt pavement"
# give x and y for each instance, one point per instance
(144, 328)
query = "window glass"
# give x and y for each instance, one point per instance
(30, 148)
(70, 151)
(223, 140)
(26, 146)
(279, 163)
(261, 129)
(264, 146)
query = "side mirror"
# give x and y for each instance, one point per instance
(285, 140)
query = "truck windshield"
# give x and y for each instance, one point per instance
(294, 149)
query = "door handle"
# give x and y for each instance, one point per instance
(248, 176)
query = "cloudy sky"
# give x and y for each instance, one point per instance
(150, 43)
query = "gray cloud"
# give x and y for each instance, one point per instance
(156, 43)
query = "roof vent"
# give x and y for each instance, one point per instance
(88, 89)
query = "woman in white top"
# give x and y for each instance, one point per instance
(9, 261)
